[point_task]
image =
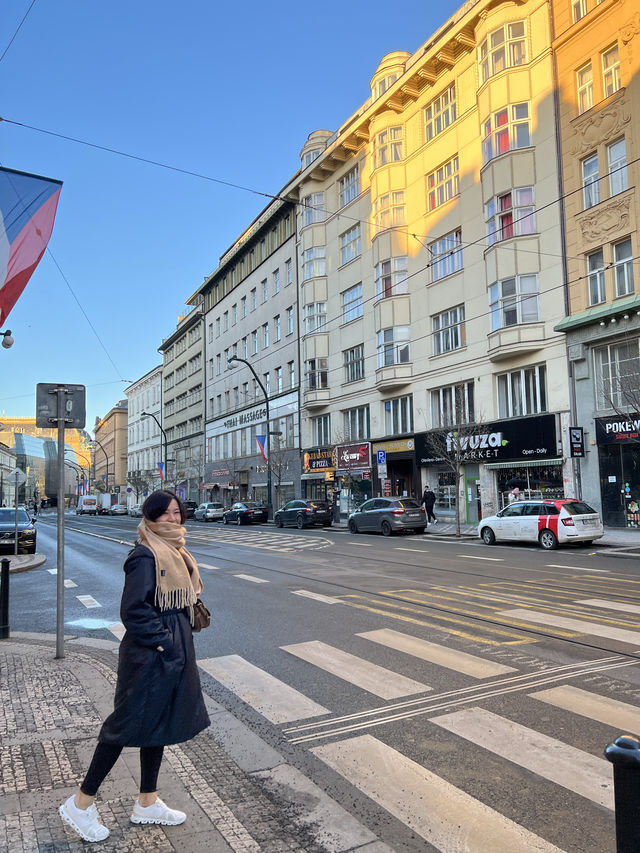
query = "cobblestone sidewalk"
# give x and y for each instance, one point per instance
(50, 712)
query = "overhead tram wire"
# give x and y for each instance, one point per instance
(275, 196)
(13, 37)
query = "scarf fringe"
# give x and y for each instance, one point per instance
(175, 599)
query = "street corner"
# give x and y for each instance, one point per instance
(24, 562)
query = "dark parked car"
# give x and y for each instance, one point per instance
(303, 514)
(245, 512)
(26, 531)
(387, 515)
(190, 508)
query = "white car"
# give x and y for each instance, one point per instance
(550, 523)
(212, 511)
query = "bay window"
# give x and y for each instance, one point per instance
(394, 346)
(452, 405)
(514, 301)
(510, 215)
(522, 392)
(398, 415)
(506, 130)
(391, 277)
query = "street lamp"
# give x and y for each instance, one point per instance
(230, 362)
(7, 340)
(106, 482)
(164, 438)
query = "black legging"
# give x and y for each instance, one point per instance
(106, 756)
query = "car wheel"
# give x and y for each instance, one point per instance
(488, 536)
(548, 540)
(386, 528)
(299, 522)
(225, 520)
(239, 520)
(278, 521)
(353, 527)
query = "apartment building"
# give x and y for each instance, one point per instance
(146, 447)
(597, 49)
(183, 381)
(251, 313)
(431, 277)
(110, 455)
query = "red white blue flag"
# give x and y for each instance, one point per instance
(161, 470)
(262, 444)
(28, 206)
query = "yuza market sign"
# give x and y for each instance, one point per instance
(524, 438)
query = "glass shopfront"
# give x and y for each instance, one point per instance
(618, 440)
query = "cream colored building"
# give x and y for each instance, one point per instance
(430, 262)
(183, 404)
(597, 49)
(110, 460)
(145, 446)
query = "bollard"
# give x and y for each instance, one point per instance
(4, 599)
(624, 754)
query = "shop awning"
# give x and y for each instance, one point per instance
(524, 463)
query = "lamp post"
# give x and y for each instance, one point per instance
(164, 438)
(7, 339)
(77, 473)
(230, 362)
(106, 482)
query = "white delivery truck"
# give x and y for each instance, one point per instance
(104, 504)
(87, 505)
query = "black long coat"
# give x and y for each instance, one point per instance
(158, 697)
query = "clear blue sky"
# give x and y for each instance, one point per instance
(230, 91)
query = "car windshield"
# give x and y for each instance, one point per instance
(408, 503)
(9, 516)
(578, 508)
(214, 506)
(251, 504)
(319, 504)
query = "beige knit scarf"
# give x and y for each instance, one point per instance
(178, 582)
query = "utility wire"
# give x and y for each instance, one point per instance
(33, 2)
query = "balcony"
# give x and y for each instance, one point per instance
(317, 398)
(393, 376)
(515, 341)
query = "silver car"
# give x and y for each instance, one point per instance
(388, 515)
(211, 511)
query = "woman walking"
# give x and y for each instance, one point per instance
(158, 699)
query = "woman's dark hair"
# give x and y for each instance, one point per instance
(158, 502)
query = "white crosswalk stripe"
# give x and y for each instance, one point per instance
(611, 605)
(437, 811)
(611, 712)
(595, 628)
(259, 538)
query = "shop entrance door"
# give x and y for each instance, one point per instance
(620, 484)
(472, 500)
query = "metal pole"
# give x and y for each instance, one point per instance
(4, 599)
(15, 537)
(60, 549)
(624, 754)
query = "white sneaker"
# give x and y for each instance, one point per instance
(158, 812)
(86, 822)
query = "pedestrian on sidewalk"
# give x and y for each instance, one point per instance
(158, 699)
(429, 500)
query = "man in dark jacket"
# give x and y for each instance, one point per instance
(429, 499)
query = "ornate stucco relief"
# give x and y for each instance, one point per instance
(597, 227)
(592, 130)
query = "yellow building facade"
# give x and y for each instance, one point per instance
(597, 54)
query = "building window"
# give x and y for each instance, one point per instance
(348, 187)
(610, 71)
(452, 405)
(313, 263)
(617, 157)
(448, 330)
(522, 392)
(506, 130)
(276, 328)
(254, 342)
(290, 321)
(617, 372)
(440, 113)
(503, 48)
(322, 430)
(391, 277)
(442, 184)
(350, 245)
(385, 83)
(309, 157)
(316, 374)
(623, 267)
(225, 324)
(579, 9)
(356, 423)
(266, 381)
(590, 181)
(265, 335)
(510, 215)
(276, 281)
(243, 307)
(353, 360)
(388, 146)
(315, 317)
(398, 415)
(292, 374)
(394, 346)
(254, 299)
(219, 364)
(265, 289)
(245, 347)
(446, 255)
(514, 301)
(595, 267)
(388, 210)
(278, 372)
(352, 305)
(289, 272)
(584, 78)
(313, 209)
(218, 327)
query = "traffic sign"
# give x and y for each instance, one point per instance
(47, 405)
(382, 471)
(382, 457)
(18, 477)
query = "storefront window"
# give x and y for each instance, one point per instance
(535, 483)
(446, 491)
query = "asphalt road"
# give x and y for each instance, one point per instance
(436, 688)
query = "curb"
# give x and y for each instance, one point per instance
(24, 562)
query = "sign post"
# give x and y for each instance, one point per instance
(19, 477)
(63, 405)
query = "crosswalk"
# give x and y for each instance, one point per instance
(260, 538)
(451, 817)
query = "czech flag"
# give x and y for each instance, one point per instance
(262, 444)
(161, 470)
(28, 206)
